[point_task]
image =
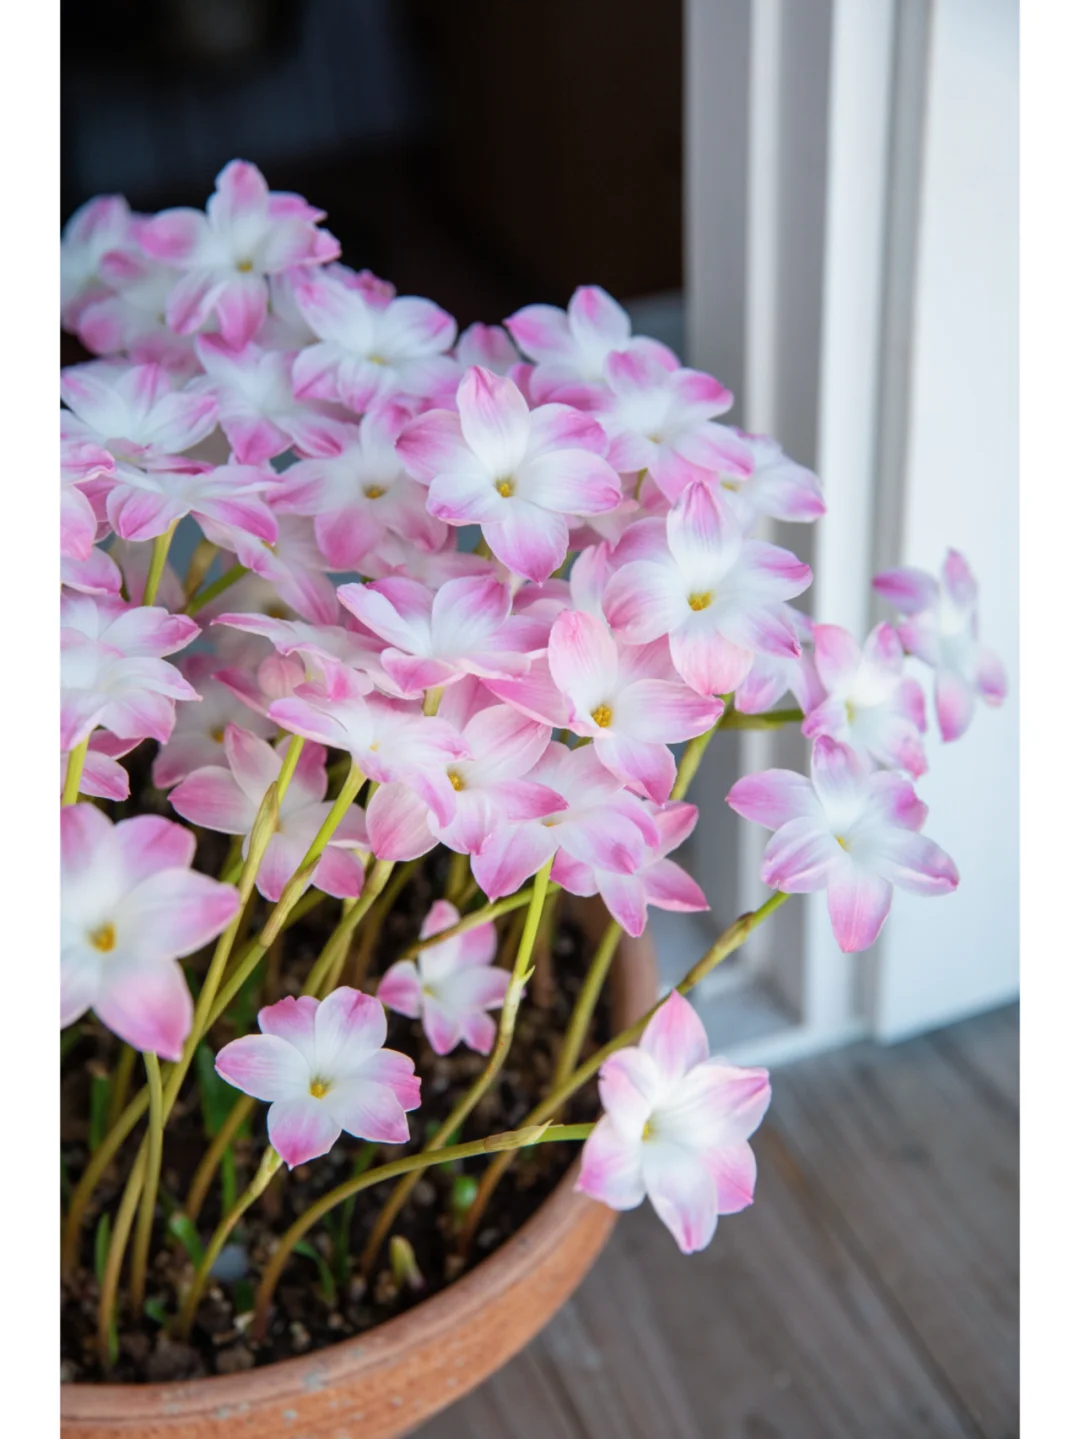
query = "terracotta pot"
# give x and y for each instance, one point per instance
(384, 1383)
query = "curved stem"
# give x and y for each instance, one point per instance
(387, 900)
(110, 1280)
(121, 1082)
(140, 1256)
(73, 774)
(326, 971)
(408, 1164)
(484, 1080)
(204, 1174)
(268, 1167)
(735, 935)
(288, 764)
(580, 1019)
(158, 556)
(215, 588)
(91, 1176)
(476, 917)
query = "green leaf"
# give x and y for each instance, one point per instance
(102, 1239)
(327, 1287)
(155, 1309)
(463, 1191)
(215, 1096)
(100, 1089)
(243, 1296)
(181, 1227)
(69, 1038)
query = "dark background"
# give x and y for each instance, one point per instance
(485, 153)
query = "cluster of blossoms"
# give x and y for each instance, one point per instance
(497, 575)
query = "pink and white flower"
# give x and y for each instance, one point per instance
(517, 474)
(103, 777)
(227, 799)
(868, 702)
(771, 677)
(322, 1067)
(112, 672)
(128, 318)
(387, 739)
(101, 225)
(358, 490)
(130, 906)
(571, 346)
(368, 352)
(137, 415)
(483, 789)
(849, 830)
(675, 1127)
(198, 737)
(774, 487)
(257, 409)
(662, 423)
(228, 502)
(941, 628)
(435, 638)
(716, 595)
(246, 234)
(451, 985)
(295, 565)
(600, 825)
(658, 881)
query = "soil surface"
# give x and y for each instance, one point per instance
(321, 1297)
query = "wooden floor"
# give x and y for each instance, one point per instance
(870, 1293)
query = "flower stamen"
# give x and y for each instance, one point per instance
(601, 715)
(700, 599)
(505, 488)
(104, 937)
(318, 1088)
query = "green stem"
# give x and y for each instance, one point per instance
(484, 1080)
(268, 1167)
(91, 1176)
(288, 764)
(110, 1279)
(477, 917)
(121, 1083)
(73, 774)
(771, 719)
(204, 1174)
(581, 1017)
(215, 588)
(326, 971)
(410, 1163)
(140, 1257)
(735, 935)
(371, 930)
(158, 556)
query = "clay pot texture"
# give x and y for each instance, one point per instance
(384, 1383)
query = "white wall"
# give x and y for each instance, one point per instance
(941, 958)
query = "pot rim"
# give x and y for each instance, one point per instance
(454, 1305)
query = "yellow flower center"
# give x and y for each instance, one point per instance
(104, 937)
(217, 734)
(602, 715)
(700, 599)
(318, 1088)
(505, 488)
(245, 266)
(842, 842)
(377, 359)
(374, 492)
(646, 1133)
(276, 612)
(455, 779)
